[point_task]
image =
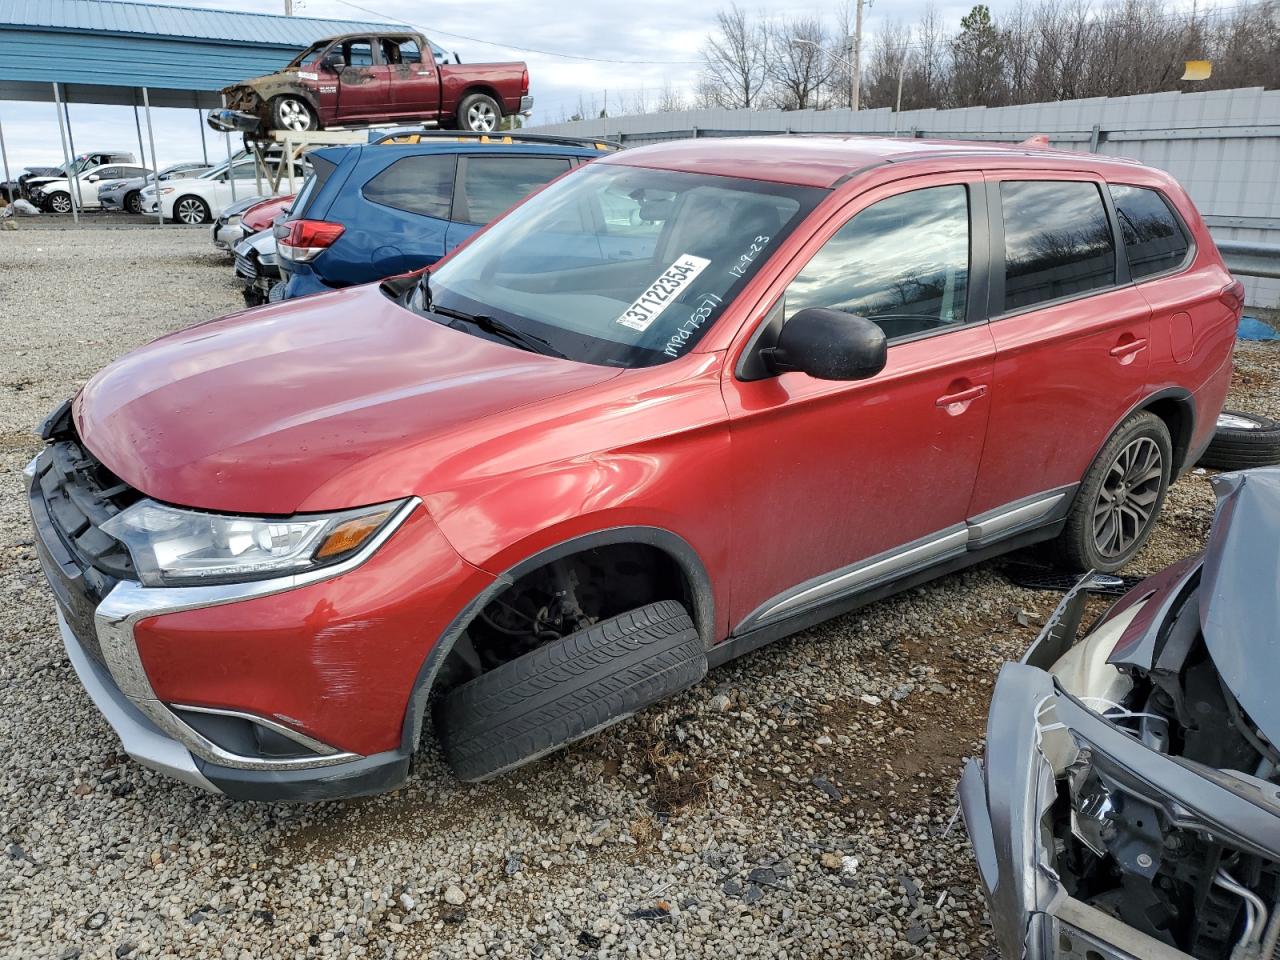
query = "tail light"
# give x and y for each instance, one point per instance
(1232, 296)
(524, 82)
(303, 240)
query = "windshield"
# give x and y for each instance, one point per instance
(308, 55)
(620, 265)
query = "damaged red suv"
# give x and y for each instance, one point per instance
(684, 401)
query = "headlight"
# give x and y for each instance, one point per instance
(171, 546)
(268, 258)
(168, 189)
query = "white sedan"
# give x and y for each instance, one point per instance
(200, 199)
(55, 195)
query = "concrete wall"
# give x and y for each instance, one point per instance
(1222, 145)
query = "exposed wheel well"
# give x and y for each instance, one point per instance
(560, 597)
(487, 91)
(1178, 415)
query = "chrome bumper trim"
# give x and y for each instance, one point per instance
(140, 738)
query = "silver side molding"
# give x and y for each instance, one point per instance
(974, 534)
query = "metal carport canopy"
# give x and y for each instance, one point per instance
(106, 51)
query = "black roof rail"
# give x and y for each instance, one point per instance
(496, 136)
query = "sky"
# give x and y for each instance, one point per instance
(637, 47)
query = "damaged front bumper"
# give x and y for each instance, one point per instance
(1034, 727)
(234, 121)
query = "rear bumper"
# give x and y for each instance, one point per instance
(526, 106)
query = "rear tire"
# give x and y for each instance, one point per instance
(1243, 440)
(479, 113)
(568, 689)
(1120, 498)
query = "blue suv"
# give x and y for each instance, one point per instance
(374, 210)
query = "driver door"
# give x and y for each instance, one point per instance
(838, 487)
(362, 82)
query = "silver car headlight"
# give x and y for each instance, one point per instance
(171, 546)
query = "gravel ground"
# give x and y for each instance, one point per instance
(795, 804)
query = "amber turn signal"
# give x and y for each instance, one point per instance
(349, 535)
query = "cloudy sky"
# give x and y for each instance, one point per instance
(637, 47)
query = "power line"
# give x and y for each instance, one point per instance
(512, 46)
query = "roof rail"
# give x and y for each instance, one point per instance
(497, 136)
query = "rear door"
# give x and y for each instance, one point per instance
(489, 185)
(1072, 336)
(414, 89)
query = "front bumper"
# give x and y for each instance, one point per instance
(227, 233)
(99, 634)
(234, 121)
(1007, 799)
(150, 205)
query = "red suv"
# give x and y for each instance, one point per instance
(684, 401)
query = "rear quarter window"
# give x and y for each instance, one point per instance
(421, 185)
(1057, 241)
(1154, 238)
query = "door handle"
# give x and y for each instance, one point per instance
(961, 398)
(1128, 348)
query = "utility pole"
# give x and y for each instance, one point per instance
(855, 82)
(288, 8)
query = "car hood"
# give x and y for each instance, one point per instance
(1240, 592)
(263, 412)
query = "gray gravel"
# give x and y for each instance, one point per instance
(796, 804)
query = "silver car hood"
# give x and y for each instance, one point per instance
(1240, 592)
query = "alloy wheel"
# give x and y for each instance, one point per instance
(60, 203)
(481, 117)
(191, 210)
(294, 114)
(1128, 496)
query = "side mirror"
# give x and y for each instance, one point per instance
(93, 178)
(829, 345)
(334, 62)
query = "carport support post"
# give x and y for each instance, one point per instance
(151, 138)
(66, 156)
(204, 147)
(231, 179)
(4, 154)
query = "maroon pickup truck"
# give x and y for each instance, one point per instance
(358, 79)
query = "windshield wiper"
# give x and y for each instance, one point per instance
(500, 328)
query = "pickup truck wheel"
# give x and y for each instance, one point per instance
(1243, 440)
(293, 113)
(190, 210)
(133, 202)
(59, 202)
(479, 112)
(1120, 498)
(568, 689)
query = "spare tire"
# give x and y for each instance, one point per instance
(568, 689)
(1243, 440)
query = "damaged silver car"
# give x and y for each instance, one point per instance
(1128, 804)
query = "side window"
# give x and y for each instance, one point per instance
(1057, 241)
(358, 53)
(401, 51)
(492, 184)
(421, 185)
(1154, 240)
(244, 171)
(902, 262)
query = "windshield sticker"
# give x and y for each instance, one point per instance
(663, 291)
(692, 325)
(745, 261)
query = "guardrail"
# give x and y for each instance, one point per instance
(1251, 258)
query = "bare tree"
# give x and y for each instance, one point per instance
(890, 55)
(670, 99)
(734, 72)
(797, 66)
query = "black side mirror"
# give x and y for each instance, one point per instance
(334, 62)
(829, 345)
